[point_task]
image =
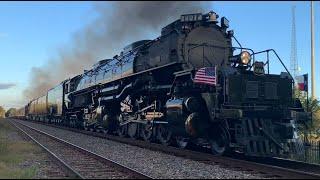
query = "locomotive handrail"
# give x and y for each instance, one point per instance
(242, 48)
(224, 47)
(272, 50)
(237, 41)
(199, 45)
(147, 43)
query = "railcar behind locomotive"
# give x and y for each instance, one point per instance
(189, 85)
(19, 113)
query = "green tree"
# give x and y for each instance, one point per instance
(11, 112)
(313, 106)
(2, 112)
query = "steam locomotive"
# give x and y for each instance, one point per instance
(189, 85)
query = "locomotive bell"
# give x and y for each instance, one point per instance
(258, 68)
(212, 17)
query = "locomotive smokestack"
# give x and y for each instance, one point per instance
(117, 24)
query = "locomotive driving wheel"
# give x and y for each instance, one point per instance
(122, 129)
(182, 142)
(133, 130)
(146, 132)
(106, 123)
(79, 121)
(220, 143)
(164, 134)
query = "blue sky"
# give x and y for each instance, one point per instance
(31, 32)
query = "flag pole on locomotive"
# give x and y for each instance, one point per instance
(302, 84)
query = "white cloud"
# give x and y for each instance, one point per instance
(6, 85)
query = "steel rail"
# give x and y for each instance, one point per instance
(264, 166)
(133, 173)
(66, 168)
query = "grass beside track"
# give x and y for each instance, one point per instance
(13, 154)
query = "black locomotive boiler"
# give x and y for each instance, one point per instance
(186, 86)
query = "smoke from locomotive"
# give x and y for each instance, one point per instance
(187, 85)
(118, 23)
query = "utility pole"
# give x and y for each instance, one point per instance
(313, 83)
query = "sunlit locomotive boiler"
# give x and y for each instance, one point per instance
(189, 85)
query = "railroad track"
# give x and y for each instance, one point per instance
(77, 161)
(290, 164)
(266, 167)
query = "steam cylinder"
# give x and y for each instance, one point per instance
(184, 114)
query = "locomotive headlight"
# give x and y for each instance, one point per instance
(245, 57)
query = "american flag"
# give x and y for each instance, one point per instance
(206, 75)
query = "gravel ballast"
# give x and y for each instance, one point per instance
(152, 163)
